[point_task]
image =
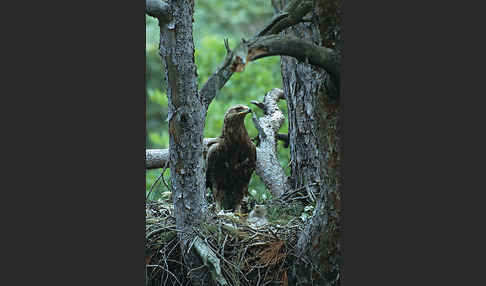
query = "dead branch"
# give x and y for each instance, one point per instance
(276, 45)
(157, 158)
(292, 14)
(158, 9)
(236, 60)
(266, 46)
(209, 259)
(218, 79)
(268, 167)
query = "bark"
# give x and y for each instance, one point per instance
(158, 9)
(328, 17)
(304, 51)
(293, 13)
(268, 167)
(301, 82)
(156, 158)
(314, 134)
(320, 242)
(186, 124)
(186, 115)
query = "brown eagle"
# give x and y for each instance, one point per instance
(230, 161)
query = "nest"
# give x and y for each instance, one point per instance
(247, 254)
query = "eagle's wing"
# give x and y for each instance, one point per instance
(212, 158)
(207, 146)
(247, 166)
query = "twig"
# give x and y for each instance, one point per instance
(274, 234)
(152, 187)
(160, 176)
(160, 230)
(195, 269)
(224, 242)
(165, 183)
(168, 271)
(259, 277)
(226, 45)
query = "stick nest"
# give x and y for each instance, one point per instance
(248, 254)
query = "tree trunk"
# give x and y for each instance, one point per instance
(301, 83)
(314, 134)
(186, 124)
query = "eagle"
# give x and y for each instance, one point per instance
(257, 216)
(231, 160)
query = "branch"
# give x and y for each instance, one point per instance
(237, 59)
(210, 260)
(157, 158)
(268, 167)
(292, 14)
(302, 50)
(158, 9)
(266, 46)
(218, 79)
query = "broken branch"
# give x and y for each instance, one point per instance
(292, 14)
(268, 167)
(157, 158)
(157, 9)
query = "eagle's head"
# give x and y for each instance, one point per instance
(234, 119)
(236, 113)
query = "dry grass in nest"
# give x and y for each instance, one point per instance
(248, 255)
(273, 254)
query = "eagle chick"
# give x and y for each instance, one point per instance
(230, 161)
(258, 216)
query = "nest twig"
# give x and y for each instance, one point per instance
(248, 255)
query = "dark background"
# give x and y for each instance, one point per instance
(413, 124)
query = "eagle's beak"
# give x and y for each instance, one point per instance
(248, 111)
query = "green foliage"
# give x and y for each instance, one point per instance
(151, 30)
(258, 191)
(158, 186)
(282, 214)
(240, 19)
(230, 18)
(156, 101)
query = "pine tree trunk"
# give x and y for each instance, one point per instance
(186, 125)
(314, 133)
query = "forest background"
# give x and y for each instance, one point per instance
(240, 19)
